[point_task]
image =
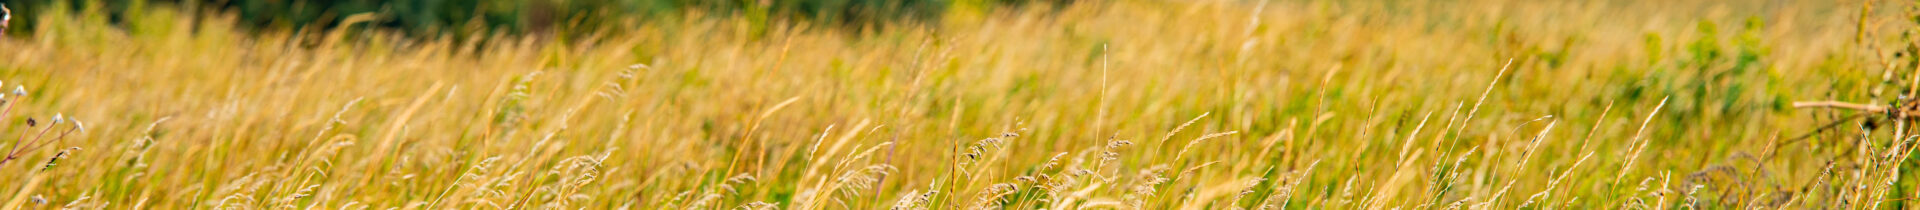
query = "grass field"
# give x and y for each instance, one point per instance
(1128, 104)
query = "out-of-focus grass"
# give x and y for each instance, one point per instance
(1292, 104)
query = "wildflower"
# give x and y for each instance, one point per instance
(5, 16)
(58, 118)
(20, 90)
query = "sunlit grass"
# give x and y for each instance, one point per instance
(1125, 104)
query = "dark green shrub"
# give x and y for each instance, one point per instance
(437, 17)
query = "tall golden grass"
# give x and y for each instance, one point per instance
(1116, 104)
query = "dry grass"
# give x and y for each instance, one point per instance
(1255, 105)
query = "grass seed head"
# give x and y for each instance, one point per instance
(57, 156)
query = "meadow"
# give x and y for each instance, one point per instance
(1126, 104)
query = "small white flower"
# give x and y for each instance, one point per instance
(59, 117)
(20, 90)
(82, 127)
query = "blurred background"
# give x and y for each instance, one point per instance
(441, 17)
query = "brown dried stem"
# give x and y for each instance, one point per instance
(1840, 105)
(1870, 109)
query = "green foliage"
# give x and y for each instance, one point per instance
(1713, 76)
